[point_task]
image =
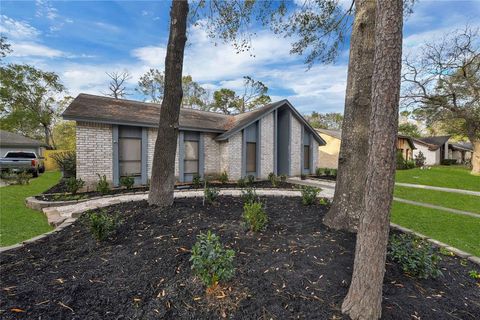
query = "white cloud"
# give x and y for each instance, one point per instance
(15, 29)
(29, 49)
(151, 55)
(46, 9)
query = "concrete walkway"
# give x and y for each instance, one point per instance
(329, 187)
(431, 206)
(421, 186)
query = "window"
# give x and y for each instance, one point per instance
(130, 156)
(306, 157)
(191, 157)
(251, 157)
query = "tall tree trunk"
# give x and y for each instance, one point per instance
(163, 166)
(348, 199)
(475, 156)
(364, 298)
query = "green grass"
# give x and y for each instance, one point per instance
(459, 231)
(457, 177)
(17, 222)
(440, 198)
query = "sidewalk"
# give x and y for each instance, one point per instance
(421, 186)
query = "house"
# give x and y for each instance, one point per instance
(16, 142)
(116, 138)
(328, 154)
(438, 148)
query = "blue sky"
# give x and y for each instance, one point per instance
(81, 40)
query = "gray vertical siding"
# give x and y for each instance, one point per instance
(144, 155)
(181, 157)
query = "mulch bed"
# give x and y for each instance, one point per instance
(324, 177)
(297, 268)
(59, 192)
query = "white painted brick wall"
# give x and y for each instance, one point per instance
(94, 151)
(267, 145)
(314, 154)
(234, 156)
(295, 146)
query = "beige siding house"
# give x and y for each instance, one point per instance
(116, 138)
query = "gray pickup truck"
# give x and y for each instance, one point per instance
(17, 161)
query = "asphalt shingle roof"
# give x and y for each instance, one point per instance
(14, 139)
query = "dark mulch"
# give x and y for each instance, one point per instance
(59, 192)
(297, 268)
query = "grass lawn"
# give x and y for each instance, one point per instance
(457, 177)
(444, 199)
(459, 231)
(17, 222)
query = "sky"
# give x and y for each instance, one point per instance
(82, 40)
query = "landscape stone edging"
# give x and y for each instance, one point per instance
(289, 193)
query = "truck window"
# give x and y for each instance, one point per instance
(28, 155)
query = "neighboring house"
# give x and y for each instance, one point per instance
(406, 146)
(328, 154)
(435, 149)
(16, 142)
(116, 138)
(460, 151)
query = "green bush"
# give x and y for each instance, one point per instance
(323, 202)
(223, 178)
(448, 162)
(400, 161)
(211, 262)
(283, 177)
(415, 256)
(210, 194)
(303, 176)
(67, 162)
(420, 159)
(333, 172)
(23, 178)
(474, 274)
(102, 225)
(255, 216)
(409, 164)
(309, 195)
(250, 179)
(326, 171)
(73, 185)
(197, 181)
(127, 182)
(102, 185)
(241, 183)
(273, 179)
(249, 195)
(319, 172)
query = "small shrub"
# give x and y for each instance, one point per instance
(323, 202)
(23, 178)
(102, 225)
(255, 216)
(210, 194)
(448, 162)
(250, 179)
(127, 182)
(223, 178)
(102, 185)
(400, 161)
(309, 195)
(283, 177)
(420, 159)
(211, 262)
(326, 171)
(319, 172)
(273, 179)
(303, 176)
(409, 164)
(415, 256)
(474, 274)
(249, 195)
(333, 172)
(241, 183)
(67, 162)
(73, 185)
(197, 181)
